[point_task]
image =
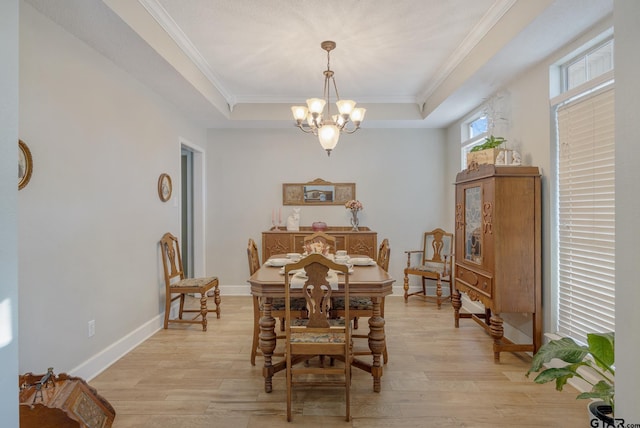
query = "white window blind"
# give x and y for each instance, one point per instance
(586, 210)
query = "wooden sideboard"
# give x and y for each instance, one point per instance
(364, 241)
(498, 248)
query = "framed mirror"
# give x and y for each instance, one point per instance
(25, 164)
(317, 192)
(165, 187)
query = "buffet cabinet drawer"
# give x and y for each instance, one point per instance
(474, 280)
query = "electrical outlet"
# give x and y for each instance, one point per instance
(92, 328)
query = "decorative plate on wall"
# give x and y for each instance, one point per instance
(164, 187)
(25, 164)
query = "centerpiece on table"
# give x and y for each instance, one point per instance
(354, 205)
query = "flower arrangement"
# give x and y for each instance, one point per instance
(317, 247)
(353, 205)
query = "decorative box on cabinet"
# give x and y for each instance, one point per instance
(363, 242)
(57, 401)
(498, 248)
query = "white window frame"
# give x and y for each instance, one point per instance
(468, 142)
(583, 56)
(562, 286)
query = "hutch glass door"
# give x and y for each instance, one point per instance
(473, 224)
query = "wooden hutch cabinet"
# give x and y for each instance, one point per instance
(498, 248)
(363, 242)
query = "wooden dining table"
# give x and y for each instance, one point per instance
(365, 281)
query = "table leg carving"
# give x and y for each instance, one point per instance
(376, 341)
(497, 332)
(438, 293)
(267, 343)
(456, 302)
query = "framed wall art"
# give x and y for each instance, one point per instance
(317, 192)
(25, 164)
(164, 187)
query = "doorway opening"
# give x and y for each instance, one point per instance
(192, 209)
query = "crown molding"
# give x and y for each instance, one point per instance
(163, 18)
(488, 20)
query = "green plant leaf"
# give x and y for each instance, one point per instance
(564, 349)
(598, 357)
(602, 347)
(489, 143)
(560, 375)
(601, 390)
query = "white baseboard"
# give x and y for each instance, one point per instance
(102, 360)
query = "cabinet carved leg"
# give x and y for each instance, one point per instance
(456, 302)
(497, 332)
(267, 343)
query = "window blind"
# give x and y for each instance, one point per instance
(586, 215)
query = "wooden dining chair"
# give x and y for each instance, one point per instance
(318, 334)
(299, 304)
(176, 284)
(363, 306)
(384, 254)
(320, 237)
(435, 264)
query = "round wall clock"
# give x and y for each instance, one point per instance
(25, 164)
(164, 187)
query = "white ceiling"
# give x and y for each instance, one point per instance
(243, 63)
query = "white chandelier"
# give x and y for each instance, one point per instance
(328, 127)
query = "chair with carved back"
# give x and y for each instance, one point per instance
(320, 238)
(177, 286)
(299, 305)
(435, 264)
(363, 306)
(316, 277)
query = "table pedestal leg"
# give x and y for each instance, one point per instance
(267, 343)
(376, 342)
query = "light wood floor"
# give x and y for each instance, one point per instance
(437, 376)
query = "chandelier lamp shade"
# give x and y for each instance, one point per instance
(313, 118)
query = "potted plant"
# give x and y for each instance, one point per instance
(598, 356)
(486, 152)
(490, 142)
